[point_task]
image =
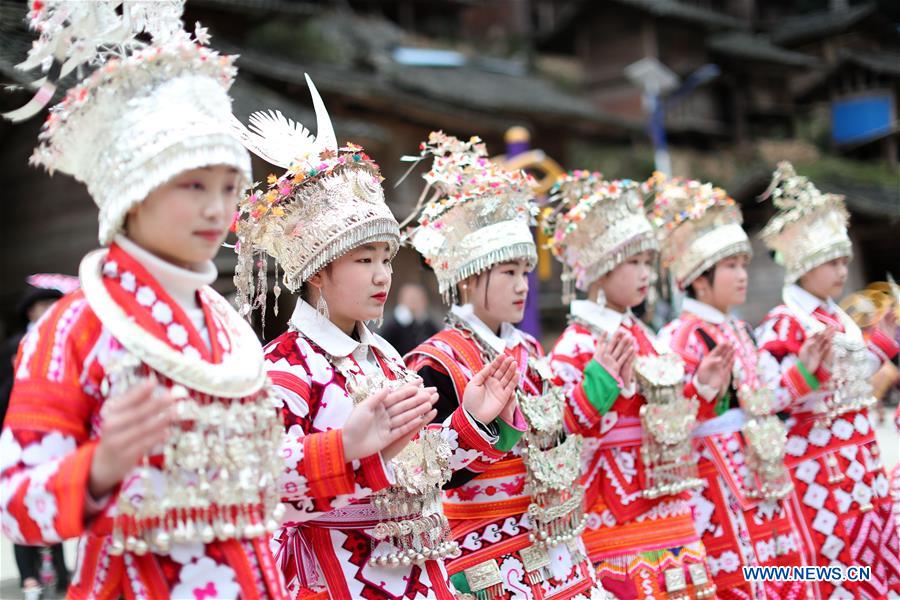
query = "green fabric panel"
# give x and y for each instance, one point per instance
(460, 583)
(508, 436)
(811, 379)
(600, 387)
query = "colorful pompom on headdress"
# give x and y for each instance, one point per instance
(698, 225)
(596, 225)
(477, 213)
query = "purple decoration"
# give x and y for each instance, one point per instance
(531, 323)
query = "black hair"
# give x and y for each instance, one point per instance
(304, 287)
(487, 286)
(709, 275)
(32, 296)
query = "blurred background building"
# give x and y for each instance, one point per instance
(815, 82)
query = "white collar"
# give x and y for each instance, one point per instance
(182, 284)
(329, 337)
(509, 337)
(800, 298)
(601, 317)
(705, 311)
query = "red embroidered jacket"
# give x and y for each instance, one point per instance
(326, 538)
(781, 335)
(487, 502)
(52, 430)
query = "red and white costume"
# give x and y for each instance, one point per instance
(191, 520)
(739, 526)
(841, 491)
(55, 417)
(487, 503)
(840, 486)
(635, 542)
(327, 536)
(895, 474)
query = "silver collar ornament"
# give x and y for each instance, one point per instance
(220, 464)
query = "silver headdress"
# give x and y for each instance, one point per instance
(328, 202)
(596, 225)
(810, 227)
(478, 214)
(698, 224)
(146, 113)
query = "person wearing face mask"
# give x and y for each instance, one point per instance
(626, 394)
(740, 511)
(140, 420)
(364, 462)
(517, 512)
(822, 363)
(410, 324)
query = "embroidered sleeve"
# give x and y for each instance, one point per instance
(780, 338)
(881, 345)
(46, 447)
(317, 478)
(590, 390)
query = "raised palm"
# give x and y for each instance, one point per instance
(715, 368)
(816, 349)
(616, 355)
(491, 389)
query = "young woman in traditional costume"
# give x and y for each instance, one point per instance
(626, 395)
(364, 520)
(822, 363)
(740, 510)
(140, 420)
(516, 512)
(876, 310)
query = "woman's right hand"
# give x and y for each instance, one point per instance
(616, 355)
(386, 417)
(492, 389)
(815, 350)
(133, 423)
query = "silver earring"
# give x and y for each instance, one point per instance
(322, 306)
(601, 298)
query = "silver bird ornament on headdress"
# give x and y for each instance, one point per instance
(328, 202)
(282, 141)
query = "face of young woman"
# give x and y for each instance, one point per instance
(498, 295)
(185, 220)
(628, 283)
(356, 285)
(729, 283)
(827, 280)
